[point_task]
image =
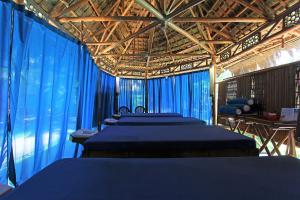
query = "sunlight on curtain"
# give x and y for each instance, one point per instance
(5, 19)
(52, 76)
(187, 94)
(132, 93)
(88, 79)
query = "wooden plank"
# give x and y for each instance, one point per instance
(176, 28)
(73, 7)
(153, 55)
(202, 41)
(250, 7)
(151, 19)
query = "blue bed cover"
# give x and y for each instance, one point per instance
(267, 178)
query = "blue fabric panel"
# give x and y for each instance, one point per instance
(187, 94)
(138, 121)
(161, 179)
(88, 89)
(167, 138)
(45, 94)
(54, 81)
(151, 115)
(5, 40)
(107, 92)
(132, 93)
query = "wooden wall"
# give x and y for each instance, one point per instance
(274, 88)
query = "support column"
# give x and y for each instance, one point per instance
(116, 96)
(146, 92)
(214, 89)
(20, 2)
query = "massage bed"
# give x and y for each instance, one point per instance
(168, 141)
(151, 115)
(246, 178)
(143, 121)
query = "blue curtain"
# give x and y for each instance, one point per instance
(53, 85)
(89, 74)
(106, 96)
(187, 94)
(132, 93)
(5, 40)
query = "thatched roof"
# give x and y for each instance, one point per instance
(139, 37)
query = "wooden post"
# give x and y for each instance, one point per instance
(116, 96)
(99, 93)
(146, 92)
(20, 2)
(213, 89)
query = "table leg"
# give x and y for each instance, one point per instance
(279, 144)
(76, 150)
(269, 138)
(237, 127)
(272, 141)
(291, 144)
(263, 141)
(246, 129)
(230, 124)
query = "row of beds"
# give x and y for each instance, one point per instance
(165, 156)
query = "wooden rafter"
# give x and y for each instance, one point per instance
(153, 55)
(151, 9)
(202, 41)
(251, 7)
(167, 33)
(151, 19)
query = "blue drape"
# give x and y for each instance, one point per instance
(88, 89)
(52, 90)
(5, 40)
(187, 94)
(132, 93)
(106, 95)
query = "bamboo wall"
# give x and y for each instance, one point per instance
(273, 88)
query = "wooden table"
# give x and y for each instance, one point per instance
(266, 130)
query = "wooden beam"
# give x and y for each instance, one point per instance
(116, 25)
(200, 29)
(100, 43)
(151, 19)
(50, 19)
(150, 45)
(108, 19)
(137, 28)
(141, 31)
(219, 19)
(250, 7)
(173, 8)
(20, 2)
(202, 41)
(73, 7)
(152, 55)
(184, 8)
(176, 28)
(171, 3)
(154, 24)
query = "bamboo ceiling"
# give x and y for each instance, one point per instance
(158, 37)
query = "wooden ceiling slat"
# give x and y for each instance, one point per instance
(71, 8)
(120, 29)
(250, 6)
(151, 19)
